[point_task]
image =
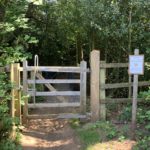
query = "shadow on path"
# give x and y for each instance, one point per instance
(47, 134)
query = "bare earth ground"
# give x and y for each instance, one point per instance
(114, 145)
(47, 134)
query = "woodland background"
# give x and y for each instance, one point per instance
(63, 32)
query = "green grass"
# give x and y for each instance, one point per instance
(89, 137)
(93, 133)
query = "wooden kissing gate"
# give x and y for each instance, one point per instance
(32, 75)
(36, 78)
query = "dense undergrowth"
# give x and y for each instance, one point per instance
(14, 39)
(143, 121)
(7, 142)
(99, 132)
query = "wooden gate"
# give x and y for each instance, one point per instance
(35, 73)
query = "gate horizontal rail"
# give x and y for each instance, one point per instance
(50, 105)
(57, 69)
(55, 93)
(54, 81)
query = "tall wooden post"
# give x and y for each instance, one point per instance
(95, 66)
(17, 92)
(25, 88)
(134, 102)
(12, 75)
(102, 92)
(12, 109)
(83, 75)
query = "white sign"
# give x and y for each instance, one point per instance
(136, 64)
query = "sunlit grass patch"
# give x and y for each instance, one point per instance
(89, 137)
(94, 133)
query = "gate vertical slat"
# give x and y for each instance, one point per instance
(25, 88)
(83, 75)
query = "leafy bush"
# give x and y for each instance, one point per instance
(92, 133)
(5, 120)
(13, 24)
(126, 113)
(143, 119)
(9, 145)
(143, 144)
(145, 95)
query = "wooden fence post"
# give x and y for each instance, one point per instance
(17, 92)
(102, 92)
(12, 111)
(25, 88)
(134, 101)
(95, 66)
(12, 108)
(83, 67)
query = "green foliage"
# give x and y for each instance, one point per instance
(121, 138)
(143, 119)
(14, 29)
(6, 122)
(126, 113)
(108, 131)
(15, 38)
(90, 137)
(75, 123)
(123, 132)
(9, 145)
(145, 95)
(92, 133)
(143, 144)
(71, 27)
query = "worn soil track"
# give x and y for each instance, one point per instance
(47, 134)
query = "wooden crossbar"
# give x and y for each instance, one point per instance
(55, 69)
(54, 81)
(50, 105)
(123, 85)
(114, 65)
(48, 85)
(57, 116)
(55, 93)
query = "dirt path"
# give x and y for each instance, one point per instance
(46, 134)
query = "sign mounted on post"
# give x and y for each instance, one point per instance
(136, 67)
(136, 64)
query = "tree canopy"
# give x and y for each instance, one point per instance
(65, 31)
